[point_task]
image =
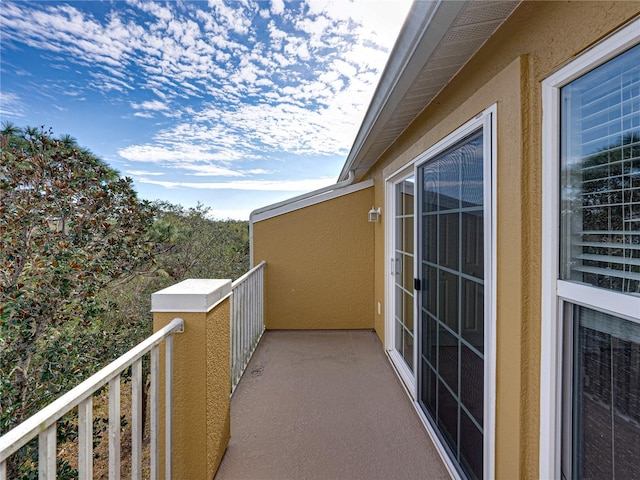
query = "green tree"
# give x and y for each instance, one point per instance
(195, 246)
(187, 244)
(69, 227)
(80, 256)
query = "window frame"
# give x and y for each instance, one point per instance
(556, 293)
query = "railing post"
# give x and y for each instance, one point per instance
(201, 375)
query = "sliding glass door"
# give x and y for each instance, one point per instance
(440, 332)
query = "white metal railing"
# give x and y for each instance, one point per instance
(247, 319)
(43, 423)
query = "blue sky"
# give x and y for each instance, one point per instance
(234, 104)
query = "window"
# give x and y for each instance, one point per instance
(590, 378)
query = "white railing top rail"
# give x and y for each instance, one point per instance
(16, 438)
(246, 276)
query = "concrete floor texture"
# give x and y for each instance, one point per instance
(325, 405)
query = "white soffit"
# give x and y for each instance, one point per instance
(436, 41)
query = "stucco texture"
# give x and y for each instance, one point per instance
(201, 389)
(536, 40)
(319, 272)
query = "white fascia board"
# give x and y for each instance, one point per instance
(426, 25)
(306, 202)
(191, 295)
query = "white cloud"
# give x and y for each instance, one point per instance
(344, 68)
(255, 185)
(315, 27)
(159, 11)
(145, 173)
(277, 7)
(10, 105)
(155, 105)
(183, 155)
(233, 18)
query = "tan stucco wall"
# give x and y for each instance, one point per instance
(201, 389)
(319, 272)
(534, 42)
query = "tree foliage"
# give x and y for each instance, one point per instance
(187, 244)
(69, 226)
(80, 256)
(197, 247)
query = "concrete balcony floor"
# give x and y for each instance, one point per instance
(325, 405)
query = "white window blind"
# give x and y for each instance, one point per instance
(600, 176)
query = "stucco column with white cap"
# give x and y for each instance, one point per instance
(201, 376)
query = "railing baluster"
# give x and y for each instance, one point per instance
(254, 309)
(239, 326)
(47, 454)
(240, 332)
(114, 428)
(234, 338)
(85, 439)
(249, 316)
(3, 470)
(243, 324)
(153, 412)
(136, 420)
(168, 357)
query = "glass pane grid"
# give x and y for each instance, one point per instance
(461, 339)
(436, 371)
(403, 270)
(451, 271)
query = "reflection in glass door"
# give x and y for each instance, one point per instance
(402, 271)
(451, 235)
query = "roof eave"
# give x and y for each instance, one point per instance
(426, 24)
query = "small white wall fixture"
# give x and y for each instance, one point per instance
(374, 214)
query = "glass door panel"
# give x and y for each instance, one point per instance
(402, 271)
(451, 229)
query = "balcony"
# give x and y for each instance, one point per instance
(311, 404)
